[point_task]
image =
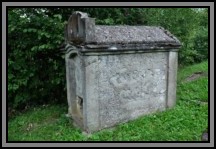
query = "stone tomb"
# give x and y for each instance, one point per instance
(118, 73)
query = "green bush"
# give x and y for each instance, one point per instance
(201, 44)
(36, 69)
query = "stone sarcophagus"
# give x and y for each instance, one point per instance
(118, 73)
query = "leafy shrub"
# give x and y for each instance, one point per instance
(36, 70)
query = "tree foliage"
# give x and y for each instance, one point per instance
(36, 68)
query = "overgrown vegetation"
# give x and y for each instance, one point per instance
(36, 67)
(185, 122)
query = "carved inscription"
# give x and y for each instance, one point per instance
(136, 85)
(131, 85)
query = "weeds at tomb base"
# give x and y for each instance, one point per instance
(185, 122)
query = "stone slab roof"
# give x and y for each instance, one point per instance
(133, 34)
(82, 32)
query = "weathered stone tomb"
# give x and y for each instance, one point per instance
(118, 73)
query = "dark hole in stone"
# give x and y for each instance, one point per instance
(80, 102)
(73, 55)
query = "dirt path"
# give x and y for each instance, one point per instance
(195, 76)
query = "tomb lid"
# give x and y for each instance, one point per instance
(82, 31)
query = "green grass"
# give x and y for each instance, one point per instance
(196, 89)
(185, 122)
